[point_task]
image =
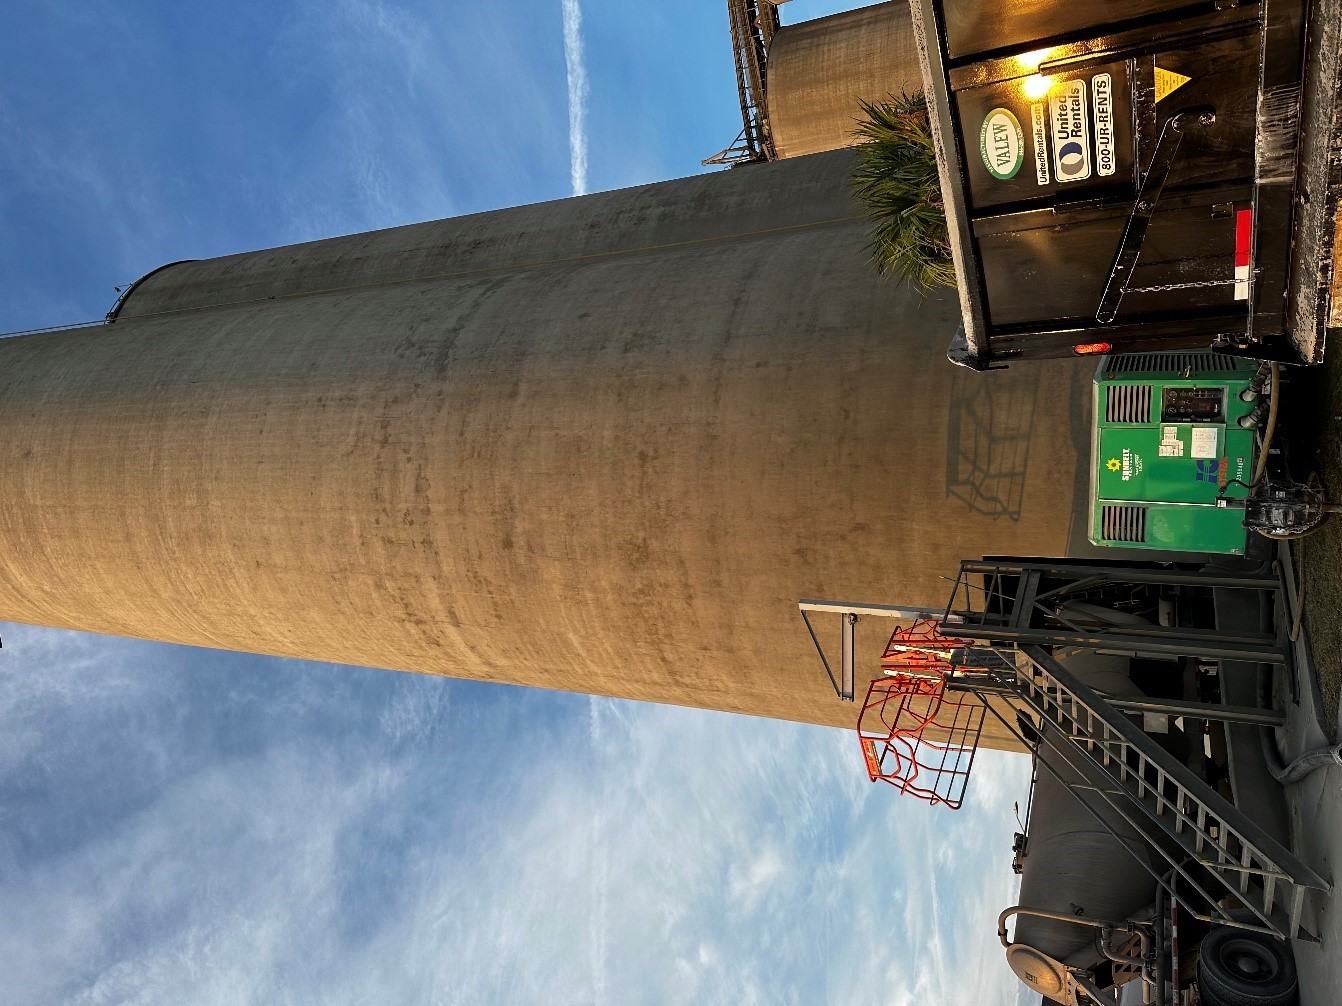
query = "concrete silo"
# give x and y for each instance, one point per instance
(801, 85)
(601, 444)
(819, 70)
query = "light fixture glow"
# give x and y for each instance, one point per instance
(1029, 62)
(1036, 86)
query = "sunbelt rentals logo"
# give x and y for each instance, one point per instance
(1127, 465)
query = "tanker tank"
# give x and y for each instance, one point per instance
(601, 444)
(1094, 868)
(820, 70)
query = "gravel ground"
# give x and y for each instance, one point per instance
(1317, 418)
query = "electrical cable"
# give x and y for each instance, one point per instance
(1269, 431)
(53, 328)
(1301, 583)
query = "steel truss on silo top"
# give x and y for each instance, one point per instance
(753, 24)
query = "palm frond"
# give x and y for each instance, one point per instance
(897, 179)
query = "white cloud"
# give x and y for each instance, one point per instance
(576, 67)
(517, 848)
(750, 880)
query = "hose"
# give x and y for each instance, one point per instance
(1302, 766)
(1271, 426)
(1310, 761)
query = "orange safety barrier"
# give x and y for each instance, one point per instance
(917, 735)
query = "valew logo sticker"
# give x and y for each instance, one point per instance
(1002, 143)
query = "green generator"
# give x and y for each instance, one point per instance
(1173, 451)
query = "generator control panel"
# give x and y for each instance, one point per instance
(1193, 405)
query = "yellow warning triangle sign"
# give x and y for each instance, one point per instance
(1167, 81)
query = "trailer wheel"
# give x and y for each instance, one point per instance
(1238, 967)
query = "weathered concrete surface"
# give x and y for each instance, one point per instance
(1316, 243)
(818, 71)
(602, 444)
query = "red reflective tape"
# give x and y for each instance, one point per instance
(870, 757)
(1243, 236)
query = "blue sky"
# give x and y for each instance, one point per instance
(181, 825)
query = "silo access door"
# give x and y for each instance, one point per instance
(1117, 176)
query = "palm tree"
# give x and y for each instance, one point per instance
(897, 179)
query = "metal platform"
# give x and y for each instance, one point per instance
(1020, 602)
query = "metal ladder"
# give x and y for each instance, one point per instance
(1167, 803)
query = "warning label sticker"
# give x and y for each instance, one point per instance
(1204, 442)
(1040, 131)
(1070, 122)
(1170, 444)
(1168, 81)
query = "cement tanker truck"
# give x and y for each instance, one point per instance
(1092, 926)
(1154, 861)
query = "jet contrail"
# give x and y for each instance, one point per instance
(577, 96)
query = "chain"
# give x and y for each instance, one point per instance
(1163, 287)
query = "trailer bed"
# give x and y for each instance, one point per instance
(1166, 180)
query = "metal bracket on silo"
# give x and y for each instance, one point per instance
(844, 685)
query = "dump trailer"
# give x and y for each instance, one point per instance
(1157, 174)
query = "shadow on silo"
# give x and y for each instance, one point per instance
(988, 430)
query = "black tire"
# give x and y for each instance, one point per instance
(1238, 967)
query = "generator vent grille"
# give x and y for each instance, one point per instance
(1128, 403)
(1198, 363)
(1123, 523)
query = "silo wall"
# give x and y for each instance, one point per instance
(819, 71)
(602, 444)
